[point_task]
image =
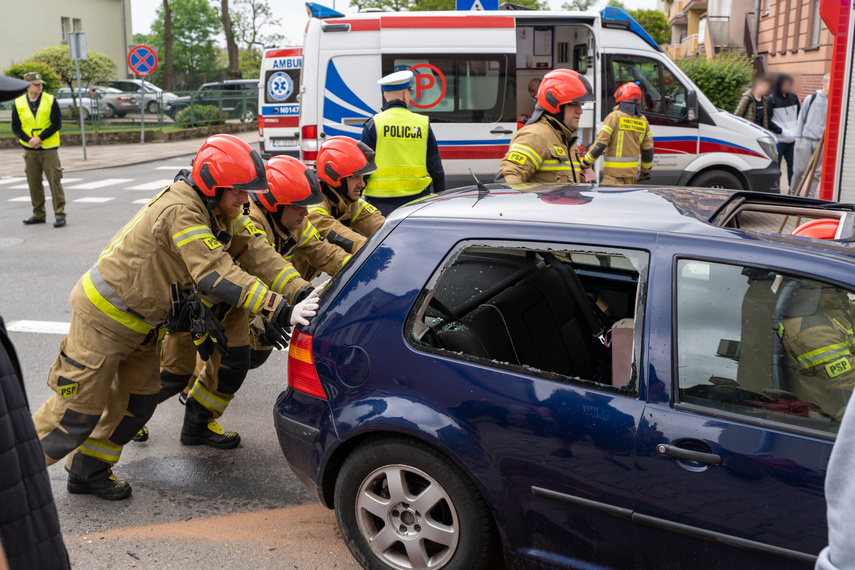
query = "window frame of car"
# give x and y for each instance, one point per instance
(675, 362)
(640, 259)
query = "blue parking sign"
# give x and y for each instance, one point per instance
(467, 5)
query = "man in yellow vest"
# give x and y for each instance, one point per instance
(36, 121)
(407, 155)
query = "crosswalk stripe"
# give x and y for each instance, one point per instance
(156, 185)
(101, 184)
(46, 327)
(93, 200)
(26, 199)
(143, 201)
(173, 168)
(27, 186)
(11, 180)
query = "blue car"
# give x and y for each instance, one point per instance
(573, 377)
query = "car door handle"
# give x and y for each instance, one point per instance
(688, 454)
(501, 131)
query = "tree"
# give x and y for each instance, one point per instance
(616, 4)
(655, 24)
(193, 27)
(231, 44)
(49, 76)
(167, 46)
(96, 68)
(251, 21)
(578, 5)
(423, 5)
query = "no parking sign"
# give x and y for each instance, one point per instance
(142, 60)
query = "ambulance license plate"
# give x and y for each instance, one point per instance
(284, 143)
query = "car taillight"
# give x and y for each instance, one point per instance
(261, 126)
(309, 142)
(302, 375)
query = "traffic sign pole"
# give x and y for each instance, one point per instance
(142, 110)
(77, 51)
(143, 61)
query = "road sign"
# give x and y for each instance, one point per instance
(477, 5)
(142, 60)
(77, 45)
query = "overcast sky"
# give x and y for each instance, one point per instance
(292, 13)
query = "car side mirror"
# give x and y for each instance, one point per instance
(692, 105)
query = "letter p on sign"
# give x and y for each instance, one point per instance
(424, 81)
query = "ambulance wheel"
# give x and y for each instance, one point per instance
(717, 179)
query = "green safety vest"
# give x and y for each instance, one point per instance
(32, 126)
(401, 154)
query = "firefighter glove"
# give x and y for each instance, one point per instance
(643, 177)
(207, 332)
(270, 334)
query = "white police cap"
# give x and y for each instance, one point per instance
(398, 81)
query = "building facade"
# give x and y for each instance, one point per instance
(706, 27)
(27, 27)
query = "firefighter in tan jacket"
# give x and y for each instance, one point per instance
(106, 378)
(545, 150)
(344, 218)
(625, 139)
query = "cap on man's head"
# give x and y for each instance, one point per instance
(34, 77)
(398, 81)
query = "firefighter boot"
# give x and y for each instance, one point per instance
(200, 429)
(141, 435)
(89, 476)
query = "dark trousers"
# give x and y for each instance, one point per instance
(389, 205)
(47, 162)
(785, 150)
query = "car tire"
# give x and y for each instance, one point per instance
(249, 115)
(456, 530)
(151, 107)
(109, 112)
(717, 179)
(121, 114)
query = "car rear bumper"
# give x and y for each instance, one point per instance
(297, 440)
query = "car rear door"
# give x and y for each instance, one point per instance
(730, 462)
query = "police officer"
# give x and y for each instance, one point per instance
(106, 378)
(821, 346)
(545, 149)
(344, 218)
(625, 138)
(36, 121)
(408, 160)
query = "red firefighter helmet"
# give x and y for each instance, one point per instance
(340, 157)
(823, 228)
(628, 92)
(563, 86)
(290, 183)
(225, 161)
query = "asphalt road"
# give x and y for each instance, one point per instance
(191, 506)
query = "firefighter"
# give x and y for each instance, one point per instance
(821, 347)
(344, 218)
(408, 161)
(625, 138)
(544, 150)
(105, 377)
(281, 214)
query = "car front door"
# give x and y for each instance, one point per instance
(731, 454)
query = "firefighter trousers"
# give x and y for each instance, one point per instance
(105, 391)
(619, 181)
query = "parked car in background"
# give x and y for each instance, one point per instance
(590, 378)
(86, 99)
(153, 94)
(118, 103)
(237, 97)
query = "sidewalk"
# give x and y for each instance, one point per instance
(106, 156)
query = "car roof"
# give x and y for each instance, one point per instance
(676, 210)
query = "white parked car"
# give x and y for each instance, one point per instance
(86, 100)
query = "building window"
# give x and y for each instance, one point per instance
(816, 25)
(78, 25)
(766, 11)
(66, 27)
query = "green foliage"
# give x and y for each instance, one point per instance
(432, 5)
(49, 76)
(142, 39)
(251, 20)
(616, 4)
(195, 25)
(578, 5)
(654, 23)
(201, 115)
(250, 63)
(722, 79)
(96, 69)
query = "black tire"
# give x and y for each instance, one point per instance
(717, 179)
(249, 115)
(151, 107)
(462, 509)
(121, 114)
(109, 112)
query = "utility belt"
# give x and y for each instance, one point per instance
(189, 313)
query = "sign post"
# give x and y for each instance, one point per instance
(77, 46)
(143, 61)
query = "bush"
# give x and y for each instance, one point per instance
(51, 79)
(722, 79)
(201, 115)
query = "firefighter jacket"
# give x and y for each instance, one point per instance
(624, 138)
(305, 249)
(822, 350)
(175, 240)
(343, 223)
(543, 151)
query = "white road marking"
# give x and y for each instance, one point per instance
(44, 327)
(93, 200)
(27, 199)
(156, 185)
(143, 201)
(173, 168)
(11, 180)
(27, 186)
(101, 184)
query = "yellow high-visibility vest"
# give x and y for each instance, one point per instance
(401, 154)
(31, 125)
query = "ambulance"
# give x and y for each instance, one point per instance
(472, 74)
(278, 102)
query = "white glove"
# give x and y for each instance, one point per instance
(305, 309)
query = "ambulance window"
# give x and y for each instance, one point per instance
(663, 96)
(457, 89)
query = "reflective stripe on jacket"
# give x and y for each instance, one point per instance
(624, 140)
(31, 125)
(544, 151)
(401, 154)
(343, 223)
